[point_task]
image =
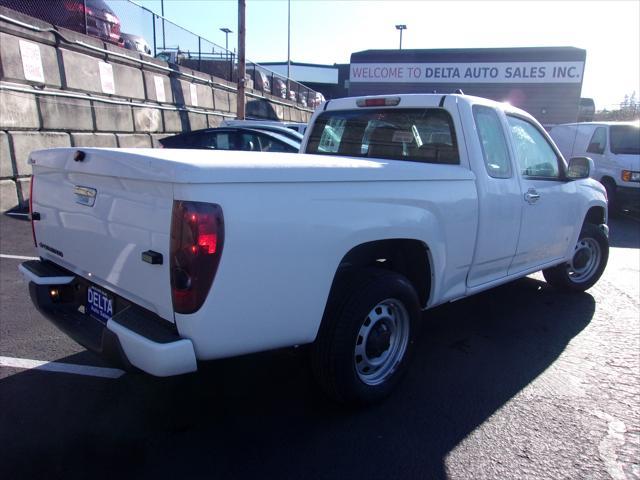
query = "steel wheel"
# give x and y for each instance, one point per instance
(367, 335)
(589, 260)
(382, 341)
(586, 260)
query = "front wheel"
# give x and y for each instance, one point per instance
(587, 264)
(366, 336)
(612, 200)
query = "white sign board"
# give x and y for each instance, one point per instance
(31, 61)
(460, 73)
(194, 95)
(106, 78)
(160, 96)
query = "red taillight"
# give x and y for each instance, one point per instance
(33, 228)
(197, 238)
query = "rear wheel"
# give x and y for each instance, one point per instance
(587, 264)
(366, 337)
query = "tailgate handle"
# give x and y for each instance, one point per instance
(154, 258)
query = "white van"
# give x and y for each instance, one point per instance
(615, 150)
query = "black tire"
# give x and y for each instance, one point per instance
(389, 299)
(589, 261)
(612, 200)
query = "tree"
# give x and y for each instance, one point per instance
(629, 110)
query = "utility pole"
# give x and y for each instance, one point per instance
(241, 59)
(401, 28)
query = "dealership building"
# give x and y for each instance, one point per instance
(544, 81)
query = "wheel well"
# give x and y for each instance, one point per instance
(606, 179)
(595, 215)
(409, 258)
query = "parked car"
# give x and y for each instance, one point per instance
(315, 99)
(233, 138)
(101, 21)
(261, 81)
(615, 150)
(137, 43)
(288, 129)
(299, 127)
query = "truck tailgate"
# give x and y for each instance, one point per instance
(97, 217)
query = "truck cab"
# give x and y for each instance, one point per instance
(520, 176)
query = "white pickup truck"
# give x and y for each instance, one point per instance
(159, 259)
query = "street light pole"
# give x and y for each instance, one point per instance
(401, 28)
(227, 31)
(242, 6)
(288, 46)
(226, 39)
(162, 13)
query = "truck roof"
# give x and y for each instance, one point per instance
(602, 123)
(420, 100)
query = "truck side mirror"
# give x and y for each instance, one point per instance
(580, 167)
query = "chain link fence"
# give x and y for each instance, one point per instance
(91, 17)
(129, 25)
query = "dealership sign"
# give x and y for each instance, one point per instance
(459, 73)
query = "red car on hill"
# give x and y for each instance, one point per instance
(92, 17)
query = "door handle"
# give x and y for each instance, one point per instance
(532, 196)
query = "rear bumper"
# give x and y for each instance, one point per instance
(133, 338)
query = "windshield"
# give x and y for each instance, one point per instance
(625, 139)
(420, 135)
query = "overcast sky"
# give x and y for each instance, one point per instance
(328, 31)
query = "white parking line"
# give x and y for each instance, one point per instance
(17, 257)
(25, 363)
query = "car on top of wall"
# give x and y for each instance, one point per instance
(93, 17)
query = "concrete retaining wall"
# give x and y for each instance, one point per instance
(61, 88)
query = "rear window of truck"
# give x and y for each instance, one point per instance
(418, 135)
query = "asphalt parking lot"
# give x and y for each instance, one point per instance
(519, 382)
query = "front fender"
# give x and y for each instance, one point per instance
(594, 196)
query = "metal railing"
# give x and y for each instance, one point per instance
(177, 45)
(133, 26)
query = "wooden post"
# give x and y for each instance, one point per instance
(241, 60)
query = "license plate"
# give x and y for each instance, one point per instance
(100, 304)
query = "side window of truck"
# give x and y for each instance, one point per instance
(535, 156)
(598, 141)
(493, 142)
